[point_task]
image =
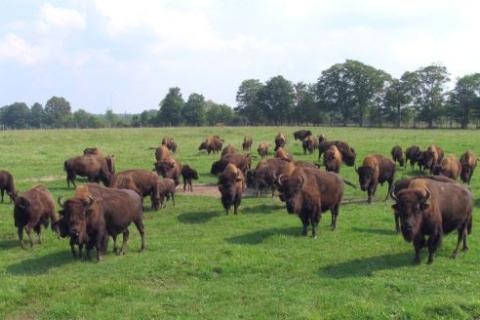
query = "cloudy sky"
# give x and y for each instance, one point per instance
(126, 54)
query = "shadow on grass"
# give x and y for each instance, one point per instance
(375, 231)
(9, 244)
(366, 267)
(258, 237)
(477, 202)
(197, 217)
(40, 265)
(260, 209)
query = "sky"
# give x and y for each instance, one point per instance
(124, 55)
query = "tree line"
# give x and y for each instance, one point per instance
(348, 93)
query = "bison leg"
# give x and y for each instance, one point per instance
(173, 198)
(462, 237)
(72, 248)
(314, 220)
(2, 191)
(28, 229)
(396, 217)
(184, 185)
(141, 230)
(390, 183)
(334, 211)
(433, 243)
(418, 243)
(115, 244)
(123, 249)
(305, 225)
(20, 236)
(38, 231)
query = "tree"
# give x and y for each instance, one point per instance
(276, 99)
(170, 112)
(37, 116)
(58, 112)
(397, 97)
(83, 119)
(218, 113)
(193, 111)
(247, 100)
(15, 115)
(306, 109)
(465, 98)
(428, 92)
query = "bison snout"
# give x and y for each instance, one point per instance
(290, 207)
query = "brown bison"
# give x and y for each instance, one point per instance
(231, 184)
(432, 157)
(120, 207)
(162, 153)
(143, 182)
(188, 174)
(242, 162)
(426, 209)
(263, 149)
(167, 189)
(93, 151)
(6, 184)
(169, 168)
(449, 167)
(332, 159)
(280, 141)
(309, 144)
(397, 155)
(211, 144)
(308, 192)
(374, 170)
(33, 208)
(469, 162)
(281, 153)
(247, 143)
(94, 168)
(302, 134)
(412, 155)
(228, 149)
(170, 144)
(348, 153)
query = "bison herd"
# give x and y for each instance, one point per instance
(426, 207)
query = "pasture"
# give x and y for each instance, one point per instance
(201, 264)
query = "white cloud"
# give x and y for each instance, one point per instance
(63, 18)
(13, 47)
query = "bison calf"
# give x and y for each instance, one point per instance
(188, 174)
(263, 149)
(397, 155)
(6, 184)
(247, 143)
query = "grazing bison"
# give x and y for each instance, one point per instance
(228, 149)
(169, 168)
(469, 163)
(426, 209)
(348, 153)
(281, 153)
(302, 134)
(247, 143)
(143, 182)
(33, 208)
(231, 184)
(120, 207)
(397, 155)
(167, 189)
(188, 174)
(412, 155)
(263, 149)
(211, 144)
(241, 161)
(6, 184)
(308, 192)
(374, 170)
(309, 144)
(94, 168)
(449, 167)
(280, 141)
(94, 151)
(170, 144)
(332, 159)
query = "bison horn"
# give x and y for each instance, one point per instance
(393, 196)
(427, 196)
(279, 180)
(60, 202)
(302, 182)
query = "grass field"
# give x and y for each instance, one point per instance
(201, 264)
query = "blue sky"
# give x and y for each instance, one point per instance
(126, 54)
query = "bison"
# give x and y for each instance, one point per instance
(167, 189)
(309, 144)
(231, 184)
(242, 162)
(33, 208)
(426, 209)
(169, 168)
(228, 149)
(247, 143)
(332, 159)
(374, 170)
(449, 167)
(188, 174)
(397, 155)
(263, 149)
(432, 157)
(6, 184)
(143, 182)
(469, 162)
(308, 192)
(412, 155)
(94, 168)
(211, 144)
(280, 141)
(162, 153)
(348, 153)
(170, 144)
(302, 134)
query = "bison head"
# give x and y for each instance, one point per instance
(75, 212)
(217, 167)
(349, 157)
(290, 188)
(203, 146)
(365, 176)
(410, 206)
(163, 167)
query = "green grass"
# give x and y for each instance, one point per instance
(201, 264)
